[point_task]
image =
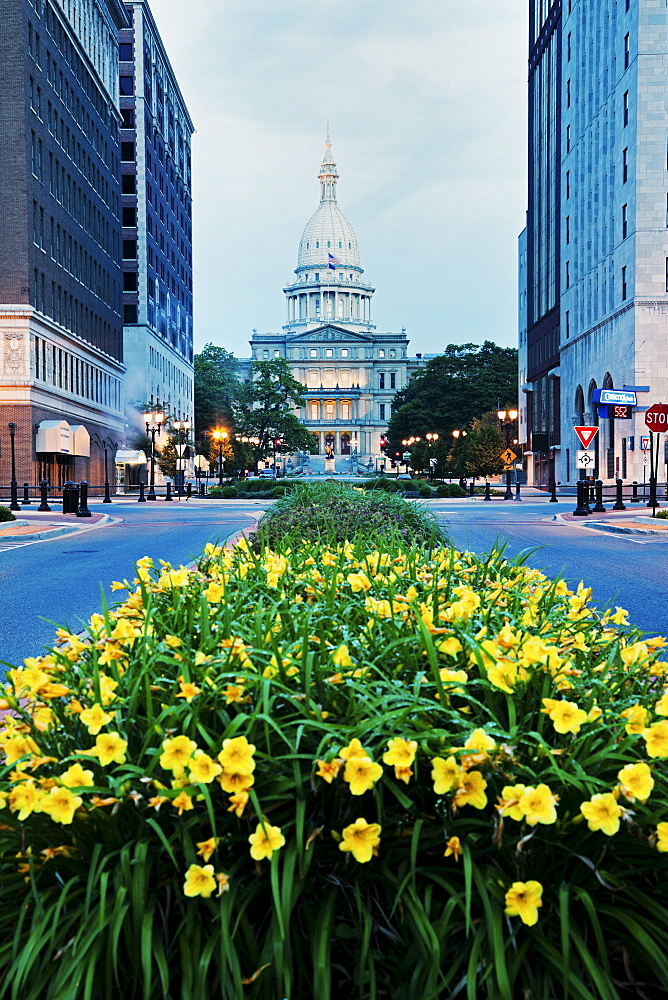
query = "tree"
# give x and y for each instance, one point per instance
(167, 457)
(483, 447)
(452, 389)
(216, 388)
(263, 409)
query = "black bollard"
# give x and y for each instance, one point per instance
(472, 487)
(26, 498)
(168, 495)
(582, 510)
(619, 502)
(487, 493)
(67, 498)
(652, 493)
(202, 489)
(83, 510)
(553, 492)
(141, 498)
(598, 506)
(107, 497)
(44, 506)
(189, 490)
(517, 498)
(634, 498)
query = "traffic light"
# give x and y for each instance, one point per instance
(383, 444)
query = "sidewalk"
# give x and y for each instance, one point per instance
(635, 520)
(33, 526)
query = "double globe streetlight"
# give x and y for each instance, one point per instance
(506, 419)
(221, 437)
(182, 431)
(154, 422)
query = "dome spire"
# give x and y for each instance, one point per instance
(328, 175)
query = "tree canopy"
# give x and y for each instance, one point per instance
(263, 408)
(453, 389)
(216, 387)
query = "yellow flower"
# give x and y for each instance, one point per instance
(503, 675)
(174, 578)
(444, 774)
(265, 841)
(637, 716)
(341, 657)
(565, 715)
(199, 881)
(602, 813)
(661, 707)
(233, 692)
(400, 752)
(188, 690)
(235, 781)
(450, 647)
(470, 790)
(636, 782)
(95, 718)
(361, 774)
(173, 641)
(109, 747)
(479, 740)
(25, 799)
(223, 882)
(662, 835)
(453, 848)
(214, 593)
(403, 773)
(202, 768)
(361, 839)
(509, 803)
(177, 753)
(656, 738)
(238, 803)
(77, 777)
(205, 848)
(237, 755)
(538, 805)
(183, 802)
(60, 804)
(328, 770)
(19, 746)
(358, 582)
(354, 749)
(107, 689)
(523, 900)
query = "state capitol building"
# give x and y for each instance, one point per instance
(350, 372)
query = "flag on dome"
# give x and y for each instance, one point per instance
(333, 261)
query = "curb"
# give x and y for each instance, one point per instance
(619, 529)
(55, 531)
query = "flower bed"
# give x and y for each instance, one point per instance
(337, 772)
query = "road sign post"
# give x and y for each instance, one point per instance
(656, 418)
(585, 459)
(586, 434)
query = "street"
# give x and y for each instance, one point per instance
(59, 582)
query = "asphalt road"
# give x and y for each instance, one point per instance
(626, 570)
(59, 581)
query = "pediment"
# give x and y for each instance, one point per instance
(329, 334)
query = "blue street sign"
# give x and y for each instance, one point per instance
(614, 396)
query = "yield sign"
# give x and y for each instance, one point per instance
(586, 434)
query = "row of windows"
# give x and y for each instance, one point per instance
(329, 245)
(70, 313)
(342, 277)
(73, 258)
(60, 368)
(625, 222)
(329, 407)
(174, 375)
(343, 352)
(153, 166)
(76, 152)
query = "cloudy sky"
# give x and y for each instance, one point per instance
(427, 104)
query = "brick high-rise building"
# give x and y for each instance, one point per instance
(61, 343)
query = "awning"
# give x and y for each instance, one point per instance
(130, 457)
(54, 436)
(80, 440)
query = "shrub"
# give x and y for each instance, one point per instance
(450, 490)
(6, 514)
(223, 492)
(334, 513)
(348, 772)
(425, 490)
(387, 485)
(663, 514)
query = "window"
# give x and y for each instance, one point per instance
(128, 151)
(569, 46)
(625, 221)
(129, 249)
(381, 380)
(313, 353)
(626, 108)
(316, 276)
(568, 183)
(129, 216)
(344, 352)
(623, 283)
(329, 411)
(393, 353)
(568, 93)
(393, 380)
(345, 411)
(130, 312)
(128, 184)
(313, 379)
(568, 229)
(129, 281)
(627, 49)
(314, 409)
(568, 138)
(381, 353)
(381, 410)
(568, 274)
(329, 353)
(125, 52)
(568, 324)
(127, 118)
(667, 274)
(277, 353)
(126, 85)
(625, 165)
(265, 354)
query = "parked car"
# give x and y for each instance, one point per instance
(267, 474)
(404, 475)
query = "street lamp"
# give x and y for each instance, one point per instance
(456, 435)
(221, 437)
(506, 419)
(154, 422)
(14, 501)
(182, 428)
(432, 439)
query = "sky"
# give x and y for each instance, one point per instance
(427, 105)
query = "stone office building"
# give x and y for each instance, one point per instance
(350, 372)
(61, 334)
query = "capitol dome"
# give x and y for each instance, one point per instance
(328, 236)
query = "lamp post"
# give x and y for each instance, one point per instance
(107, 497)
(221, 437)
(506, 419)
(182, 428)
(432, 439)
(154, 422)
(14, 502)
(457, 434)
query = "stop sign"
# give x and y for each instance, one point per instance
(656, 417)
